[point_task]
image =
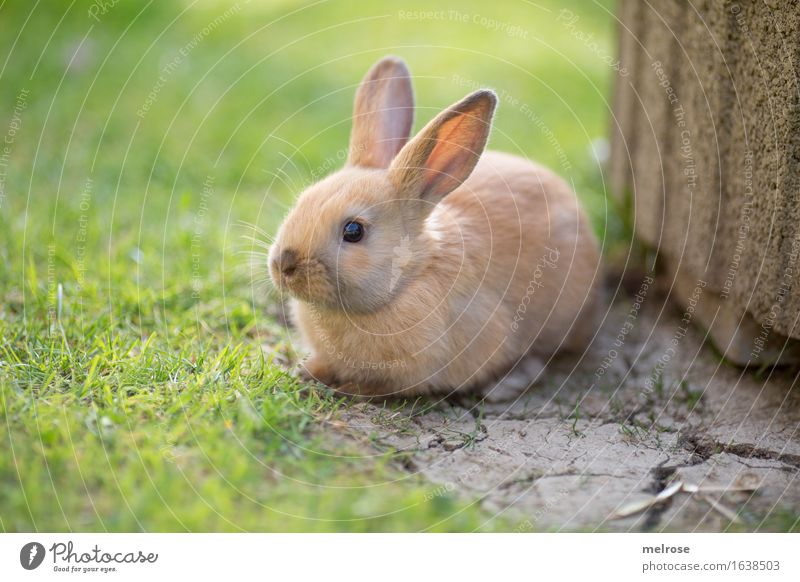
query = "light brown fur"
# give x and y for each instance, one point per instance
(461, 272)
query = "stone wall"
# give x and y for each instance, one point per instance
(706, 153)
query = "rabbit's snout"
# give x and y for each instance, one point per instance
(302, 276)
(285, 262)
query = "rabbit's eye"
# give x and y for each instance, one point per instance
(353, 232)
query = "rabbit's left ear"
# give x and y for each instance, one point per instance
(445, 152)
(382, 115)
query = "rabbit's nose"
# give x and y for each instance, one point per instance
(286, 263)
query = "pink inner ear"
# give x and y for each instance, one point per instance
(383, 117)
(453, 157)
(445, 152)
(394, 128)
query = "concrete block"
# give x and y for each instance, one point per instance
(715, 164)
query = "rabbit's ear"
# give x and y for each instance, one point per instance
(383, 114)
(445, 152)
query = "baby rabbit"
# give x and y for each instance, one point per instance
(424, 266)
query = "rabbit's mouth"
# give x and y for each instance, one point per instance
(312, 281)
(308, 281)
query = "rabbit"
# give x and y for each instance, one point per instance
(426, 265)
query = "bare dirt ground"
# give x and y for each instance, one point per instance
(600, 434)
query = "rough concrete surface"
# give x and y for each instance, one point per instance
(707, 140)
(604, 431)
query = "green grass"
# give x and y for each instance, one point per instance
(139, 379)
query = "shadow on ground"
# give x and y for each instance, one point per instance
(648, 406)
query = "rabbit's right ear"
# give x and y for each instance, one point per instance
(383, 114)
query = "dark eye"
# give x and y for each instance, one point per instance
(353, 232)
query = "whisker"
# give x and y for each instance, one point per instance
(253, 244)
(256, 259)
(254, 227)
(282, 169)
(257, 237)
(255, 241)
(297, 151)
(281, 176)
(251, 253)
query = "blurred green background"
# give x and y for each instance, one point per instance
(144, 143)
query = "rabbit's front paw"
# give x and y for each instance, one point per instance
(315, 370)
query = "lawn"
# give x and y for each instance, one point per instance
(149, 150)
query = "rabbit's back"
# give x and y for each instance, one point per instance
(530, 260)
